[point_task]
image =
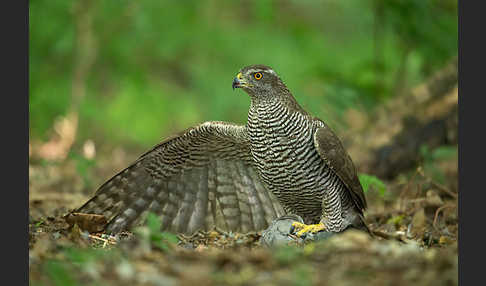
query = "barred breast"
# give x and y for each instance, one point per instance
(281, 144)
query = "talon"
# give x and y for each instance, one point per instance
(304, 229)
(292, 229)
(296, 226)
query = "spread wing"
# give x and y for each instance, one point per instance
(199, 179)
(333, 153)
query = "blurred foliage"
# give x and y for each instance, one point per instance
(372, 182)
(396, 220)
(83, 167)
(59, 274)
(74, 260)
(286, 254)
(152, 234)
(432, 158)
(162, 66)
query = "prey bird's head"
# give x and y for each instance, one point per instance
(259, 81)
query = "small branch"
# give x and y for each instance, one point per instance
(105, 241)
(437, 185)
(436, 216)
(405, 191)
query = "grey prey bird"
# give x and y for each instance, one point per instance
(240, 178)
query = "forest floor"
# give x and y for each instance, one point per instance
(415, 224)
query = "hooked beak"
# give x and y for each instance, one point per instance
(238, 82)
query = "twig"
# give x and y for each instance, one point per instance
(105, 241)
(417, 200)
(405, 190)
(436, 216)
(437, 185)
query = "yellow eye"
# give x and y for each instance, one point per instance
(258, 75)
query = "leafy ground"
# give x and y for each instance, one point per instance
(105, 72)
(414, 220)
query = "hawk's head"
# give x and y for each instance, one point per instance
(259, 81)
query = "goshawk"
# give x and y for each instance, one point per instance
(282, 162)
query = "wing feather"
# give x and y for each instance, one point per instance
(198, 179)
(333, 153)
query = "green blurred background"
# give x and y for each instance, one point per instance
(144, 69)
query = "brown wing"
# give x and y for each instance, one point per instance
(333, 153)
(195, 180)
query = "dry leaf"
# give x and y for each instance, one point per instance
(88, 222)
